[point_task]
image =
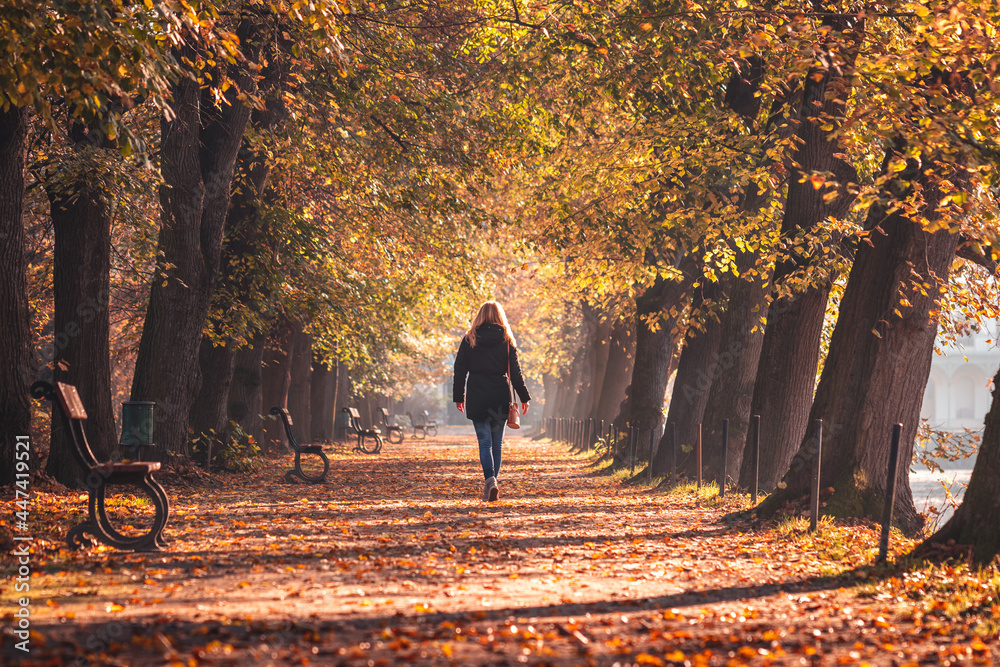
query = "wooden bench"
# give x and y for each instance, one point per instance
(394, 434)
(66, 400)
(299, 450)
(364, 434)
(425, 428)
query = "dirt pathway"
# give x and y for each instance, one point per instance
(397, 560)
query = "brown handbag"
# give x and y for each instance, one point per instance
(513, 414)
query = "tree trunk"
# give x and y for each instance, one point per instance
(877, 367)
(81, 219)
(342, 397)
(198, 156)
(321, 396)
(690, 395)
(621, 359)
(276, 376)
(550, 388)
(785, 382)
(569, 387)
(601, 355)
(240, 289)
(783, 390)
(654, 349)
(210, 411)
(734, 371)
(245, 392)
(299, 400)
(974, 524)
(15, 333)
(589, 361)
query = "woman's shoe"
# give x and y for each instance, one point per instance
(493, 490)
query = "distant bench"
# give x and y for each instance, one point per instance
(425, 427)
(394, 433)
(286, 420)
(66, 400)
(364, 434)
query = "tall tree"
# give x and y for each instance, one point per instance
(82, 207)
(818, 189)
(300, 385)
(697, 368)
(658, 309)
(621, 360)
(880, 351)
(199, 145)
(15, 413)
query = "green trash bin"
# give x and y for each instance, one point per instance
(137, 428)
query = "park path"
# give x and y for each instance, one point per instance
(396, 559)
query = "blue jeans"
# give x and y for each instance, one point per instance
(490, 435)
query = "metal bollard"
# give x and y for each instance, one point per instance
(756, 459)
(673, 454)
(890, 494)
(698, 457)
(725, 457)
(814, 496)
(652, 454)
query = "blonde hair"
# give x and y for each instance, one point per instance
(490, 312)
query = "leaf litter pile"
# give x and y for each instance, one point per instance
(397, 560)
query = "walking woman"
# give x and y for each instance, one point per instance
(487, 356)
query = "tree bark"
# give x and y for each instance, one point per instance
(877, 367)
(785, 382)
(654, 349)
(81, 212)
(735, 370)
(342, 396)
(276, 376)
(621, 359)
(550, 387)
(199, 146)
(974, 524)
(210, 411)
(246, 389)
(15, 333)
(240, 290)
(589, 361)
(322, 397)
(783, 390)
(601, 355)
(690, 395)
(299, 400)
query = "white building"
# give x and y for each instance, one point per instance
(958, 389)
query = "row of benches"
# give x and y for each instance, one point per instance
(138, 475)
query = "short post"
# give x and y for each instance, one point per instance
(817, 456)
(890, 494)
(725, 456)
(673, 454)
(633, 438)
(652, 454)
(755, 463)
(698, 455)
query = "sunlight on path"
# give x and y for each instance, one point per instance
(402, 538)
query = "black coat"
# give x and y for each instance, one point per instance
(486, 395)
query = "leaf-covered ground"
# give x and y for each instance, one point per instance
(397, 560)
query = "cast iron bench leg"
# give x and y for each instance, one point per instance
(100, 526)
